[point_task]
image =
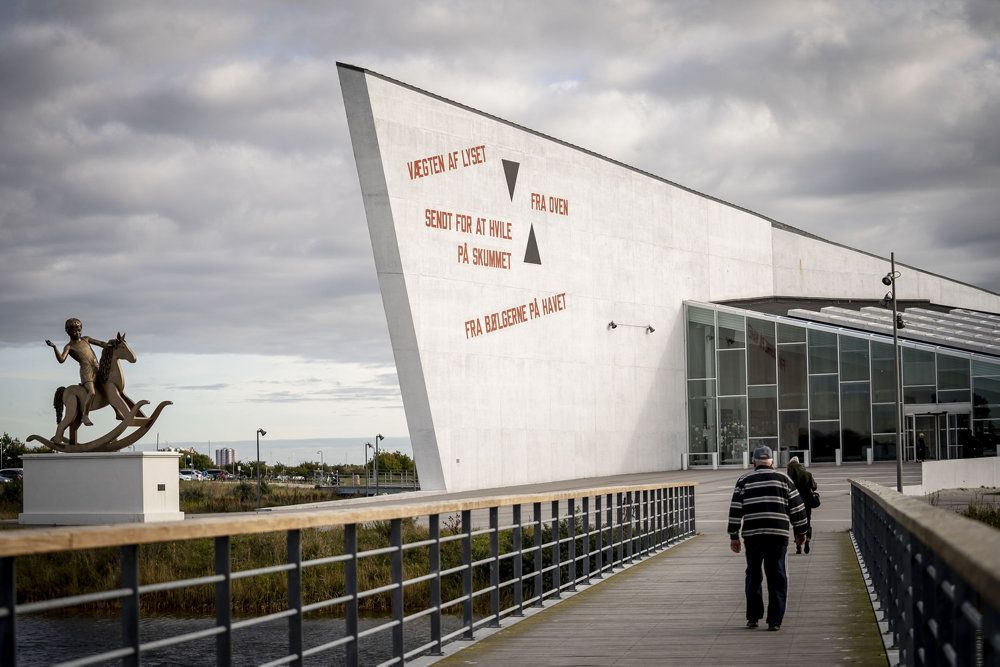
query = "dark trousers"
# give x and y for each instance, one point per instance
(809, 522)
(768, 551)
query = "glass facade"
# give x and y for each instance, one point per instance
(755, 379)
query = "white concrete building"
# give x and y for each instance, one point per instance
(535, 293)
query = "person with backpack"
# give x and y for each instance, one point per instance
(806, 486)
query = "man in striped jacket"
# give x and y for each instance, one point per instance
(766, 503)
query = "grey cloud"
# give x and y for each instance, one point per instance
(194, 157)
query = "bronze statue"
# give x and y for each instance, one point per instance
(102, 383)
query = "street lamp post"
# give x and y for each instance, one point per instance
(260, 432)
(889, 280)
(368, 446)
(322, 465)
(377, 438)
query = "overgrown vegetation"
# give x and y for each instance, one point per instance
(984, 512)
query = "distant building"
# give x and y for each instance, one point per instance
(225, 457)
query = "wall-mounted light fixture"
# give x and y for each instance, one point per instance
(648, 327)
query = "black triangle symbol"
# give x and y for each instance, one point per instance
(531, 252)
(510, 171)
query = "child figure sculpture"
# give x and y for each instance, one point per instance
(79, 347)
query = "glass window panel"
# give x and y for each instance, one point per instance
(701, 425)
(825, 440)
(761, 352)
(763, 411)
(952, 372)
(823, 399)
(919, 394)
(822, 352)
(986, 435)
(855, 419)
(882, 351)
(884, 418)
(883, 373)
(954, 396)
(986, 397)
(701, 343)
(764, 442)
(788, 333)
(885, 447)
(985, 368)
(731, 334)
(701, 388)
(792, 377)
(732, 373)
(732, 429)
(918, 367)
(794, 430)
(853, 358)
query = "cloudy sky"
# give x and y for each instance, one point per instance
(183, 171)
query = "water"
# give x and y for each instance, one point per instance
(43, 641)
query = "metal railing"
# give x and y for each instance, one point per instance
(583, 535)
(935, 574)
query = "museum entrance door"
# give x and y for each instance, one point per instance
(945, 435)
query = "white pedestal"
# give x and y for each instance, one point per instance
(100, 488)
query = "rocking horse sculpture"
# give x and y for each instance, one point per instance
(101, 384)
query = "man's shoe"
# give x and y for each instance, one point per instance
(773, 628)
(752, 625)
(798, 548)
(807, 546)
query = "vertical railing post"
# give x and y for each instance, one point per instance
(620, 560)
(351, 588)
(130, 603)
(645, 542)
(435, 568)
(587, 551)
(539, 560)
(8, 598)
(396, 597)
(630, 509)
(556, 552)
(671, 521)
(571, 534)
(467, 573)
(295, 596)
(495, 566)
(599, 532)
(223, 603)
(691, 510)
(610, 510)
(518, 564)
(661, 539)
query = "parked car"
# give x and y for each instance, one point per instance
(189, 474)
(217, 473)
(12, 473)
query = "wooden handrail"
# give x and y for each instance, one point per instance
(968, 547)
(47, 540)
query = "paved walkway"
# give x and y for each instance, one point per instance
(686, 605)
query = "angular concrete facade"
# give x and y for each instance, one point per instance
(503, 255)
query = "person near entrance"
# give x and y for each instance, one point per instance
(806, 486)
(766, 504)
(921, 447)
